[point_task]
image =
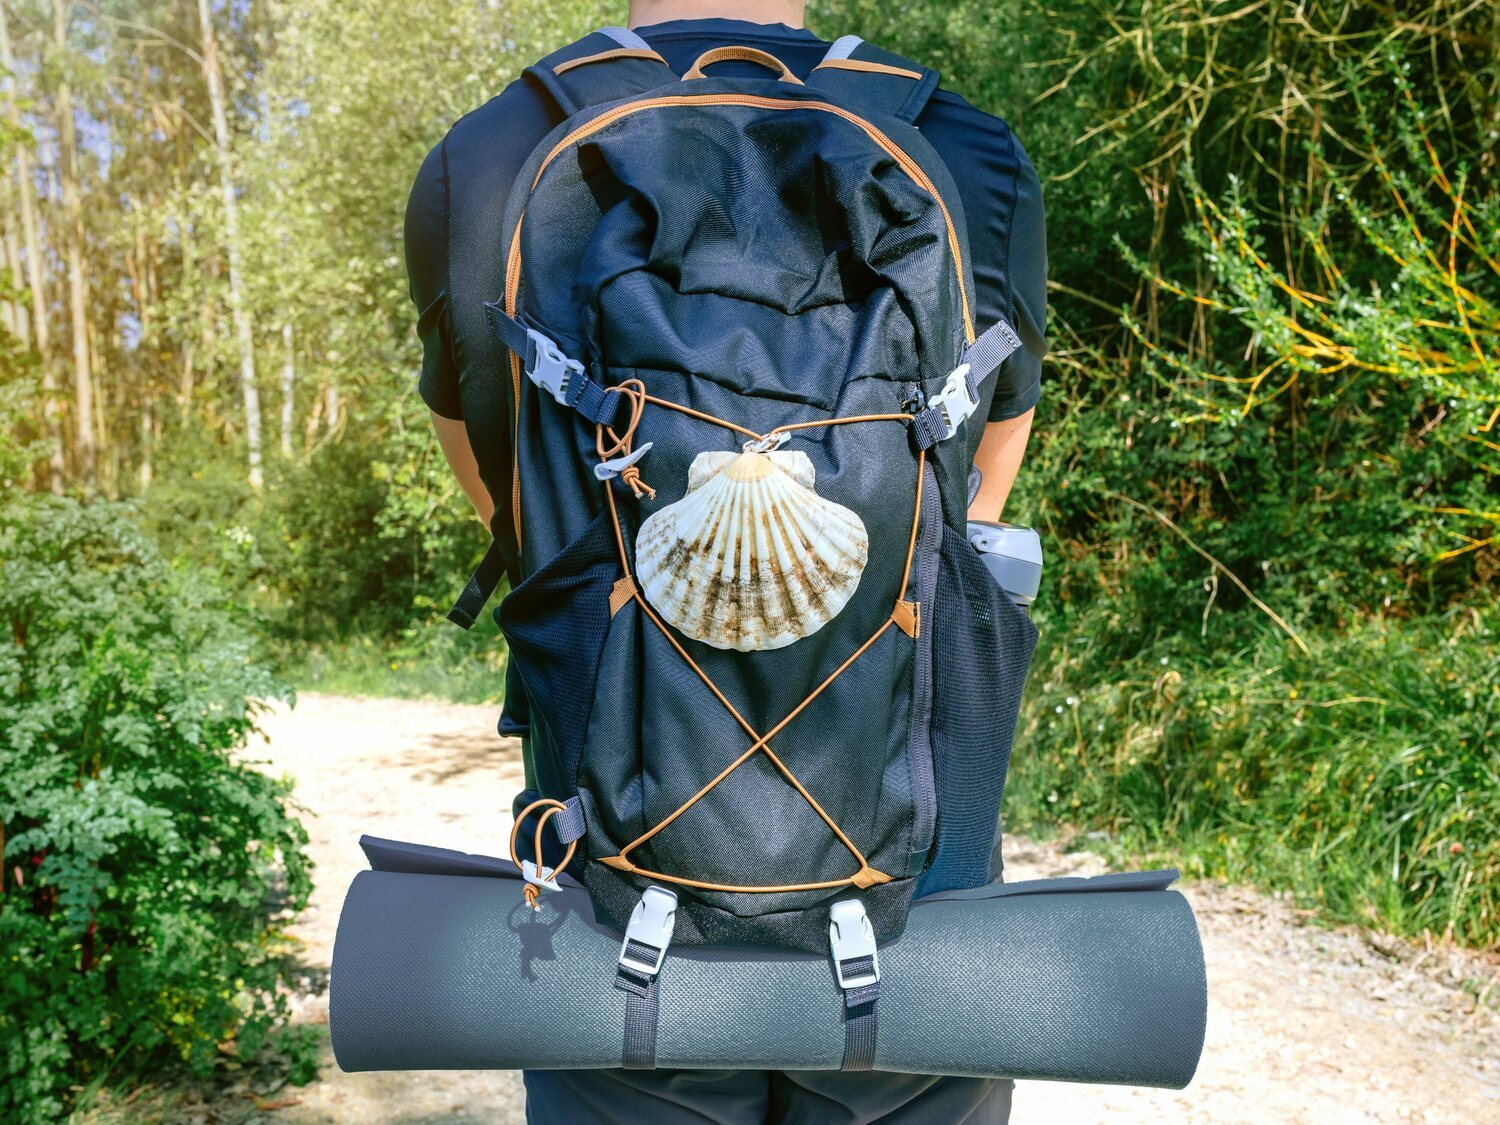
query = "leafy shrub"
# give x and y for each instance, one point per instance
(1362, 776)
(145, 871)
(362, 539)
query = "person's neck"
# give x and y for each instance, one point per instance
(646, 12)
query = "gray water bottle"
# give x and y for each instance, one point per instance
(1013, 556)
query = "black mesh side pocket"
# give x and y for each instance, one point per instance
(982, 645)
(555, 624)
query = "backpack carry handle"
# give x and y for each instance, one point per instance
(741, 54)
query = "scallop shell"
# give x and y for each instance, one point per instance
(751, 558)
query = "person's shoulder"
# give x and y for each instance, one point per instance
(520, 108)
(952, 113)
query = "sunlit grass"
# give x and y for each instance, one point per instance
(1364, 779)
(436, 661)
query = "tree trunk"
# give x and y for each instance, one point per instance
(83, 375)
(148, 437)
(136, 270)
(13, 313)
(288, 388)
(331, 410)
(36, 281)
(242, 331)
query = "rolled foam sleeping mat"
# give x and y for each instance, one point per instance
(438, 964)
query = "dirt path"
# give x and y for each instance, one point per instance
(1305, 1025)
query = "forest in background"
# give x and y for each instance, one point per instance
(1265, 465)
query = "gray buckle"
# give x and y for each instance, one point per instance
(954, 402)
(607, 470)
(850, 938)
(532, 874)
(551, 369)
(650, 925)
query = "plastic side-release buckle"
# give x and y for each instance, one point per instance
(851, 939)
(549, 368)
(954, 403)
(649, 932)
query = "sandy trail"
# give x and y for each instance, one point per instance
(1305, 1024)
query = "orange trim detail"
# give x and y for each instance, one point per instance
(741, 54)
(605, 56)
(622, 594)
(869, 68)
(908, 618)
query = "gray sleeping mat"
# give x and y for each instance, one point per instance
(440, 965)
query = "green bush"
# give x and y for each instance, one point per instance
(1362, 776)
(146, 872)
(1304, 403)
(364, 538)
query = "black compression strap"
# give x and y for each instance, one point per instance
(482, 583)
(859, 1017)
(639, 1049)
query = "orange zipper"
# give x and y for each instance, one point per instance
(513, 260)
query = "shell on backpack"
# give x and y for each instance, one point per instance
(751, 558)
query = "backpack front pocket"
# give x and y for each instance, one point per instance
(982, 644)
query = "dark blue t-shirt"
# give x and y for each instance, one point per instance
(460, 192)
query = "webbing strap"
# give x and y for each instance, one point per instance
(562, 377)
(639, 1049)
(994, 346)
(626, 38)
(569, 822)
(856, 968)
(843, 47)
(482, 583)
(860, 1020)
(642, 954)
(947, 411)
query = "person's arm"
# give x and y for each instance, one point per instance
(998, 461)
(427, 268)
(1022, 232)
(454, 439)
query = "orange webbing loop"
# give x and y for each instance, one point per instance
(743, 54)
(866, 876)
(542, 874)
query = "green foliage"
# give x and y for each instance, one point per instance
(1362, 777)
(146, 871)
(1270, 500)
(1398, 350)
(20, 445)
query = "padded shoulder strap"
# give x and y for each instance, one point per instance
(872, 80)
(603, 66)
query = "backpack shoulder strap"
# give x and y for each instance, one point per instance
(604, 65)
(873, 80)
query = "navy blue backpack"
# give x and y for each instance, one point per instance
(770, 686)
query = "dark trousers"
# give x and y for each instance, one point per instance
(754, 1097)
